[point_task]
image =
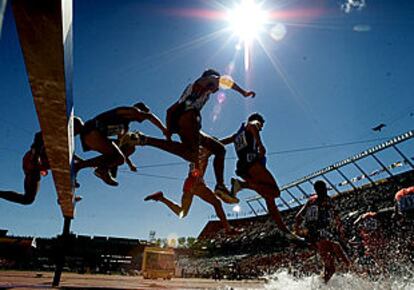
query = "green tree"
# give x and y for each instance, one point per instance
(181, 242)
(191, 241)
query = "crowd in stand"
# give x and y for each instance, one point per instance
(261, 249)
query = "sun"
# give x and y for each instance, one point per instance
(247, 20)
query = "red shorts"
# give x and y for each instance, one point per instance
(30, 164)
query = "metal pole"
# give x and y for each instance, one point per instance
(288, 206)
(62, 247)
(297, 200)
(248, 203)
(346, 178)
(382, 165)
(261, 204)
(403, 156)
(363, 172)
(304, 192)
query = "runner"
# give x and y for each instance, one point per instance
(251, 166)
(96, 132)
(371, 232)
(184, 119)
(194, 185)
(322, 228)
(36, 165)
(404, 222)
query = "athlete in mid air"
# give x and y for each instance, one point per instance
(184, 119)
(251, 167)
(194, 185)
(96, 135)
(35, 165)
(320, 224)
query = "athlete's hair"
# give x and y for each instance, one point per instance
(256, 117)
(210, 72)
(320, 187)
(142, 107)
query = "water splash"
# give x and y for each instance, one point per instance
(284, 280)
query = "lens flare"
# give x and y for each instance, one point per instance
(247, 19)
(278, 32)
(226, 82)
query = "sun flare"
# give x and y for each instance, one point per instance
(247, 19)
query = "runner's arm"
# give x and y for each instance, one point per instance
(299, 217)
(157, 122)
(256, 135)
(228, 140)
(130, 164)
(170, 115)
(243, 92)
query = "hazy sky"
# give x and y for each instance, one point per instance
(325, 72)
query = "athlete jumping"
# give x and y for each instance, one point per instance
(184, 119)
(322, 227)
(251, 167)
(194, 185)
(96, 132)
(35, 165)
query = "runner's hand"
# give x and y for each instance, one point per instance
(249, 94)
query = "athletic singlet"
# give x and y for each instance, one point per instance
(111, 124)
(405, 200)
(36, 159)
(245, 145)
(193, 100)
(319, 217)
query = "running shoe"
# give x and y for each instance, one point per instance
(224, 194)
(235, 186)
(155, 196)
(291, 237)
(105, 176)
(78, 198)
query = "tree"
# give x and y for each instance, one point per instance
(191, 241)
(181, 242)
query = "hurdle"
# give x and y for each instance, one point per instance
(45, 33)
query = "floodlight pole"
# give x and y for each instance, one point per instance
(364, 173)
(62, 248)
(294, 198)
(346, 178)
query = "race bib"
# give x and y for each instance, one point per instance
(240, 142)
(312, 213)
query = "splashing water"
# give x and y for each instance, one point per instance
(283, 280)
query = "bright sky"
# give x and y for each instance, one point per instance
(325, 72)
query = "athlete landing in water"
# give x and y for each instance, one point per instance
(96, 132)
(195, 185)
(251, 166)
(184, 119)
(322, 228)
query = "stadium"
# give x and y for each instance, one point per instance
(321, 197)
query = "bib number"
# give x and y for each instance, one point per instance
(240, 141)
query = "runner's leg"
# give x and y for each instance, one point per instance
(208, 196)
(31, 188)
